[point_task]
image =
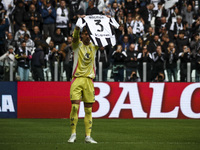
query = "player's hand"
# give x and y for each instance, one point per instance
(82, 16)
(80, 24)
(108, 16)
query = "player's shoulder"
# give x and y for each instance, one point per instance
(95, 47)
(76, 45)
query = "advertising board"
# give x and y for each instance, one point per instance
(113, 100)
(8, 99)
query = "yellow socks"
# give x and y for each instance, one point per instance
(88, 120)
(74, 117)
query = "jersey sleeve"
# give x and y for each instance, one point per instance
(76, 35)
(114, 23)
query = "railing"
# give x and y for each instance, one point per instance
(60, 77)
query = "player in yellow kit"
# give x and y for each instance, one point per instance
(82, 87)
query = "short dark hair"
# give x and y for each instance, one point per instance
(27, 35)
(84, 29)
(182, 32)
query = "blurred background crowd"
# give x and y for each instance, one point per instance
(165, 34)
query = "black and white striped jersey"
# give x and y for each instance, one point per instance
(100, 29)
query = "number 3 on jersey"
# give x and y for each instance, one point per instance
(97, 22)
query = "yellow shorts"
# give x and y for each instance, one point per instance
(82, 89)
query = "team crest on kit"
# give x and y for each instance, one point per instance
(87, 55)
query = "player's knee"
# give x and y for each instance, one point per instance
(88, 111)
(75, 108)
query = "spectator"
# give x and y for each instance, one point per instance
(68, 62)
(7, 58)
(55, 56)
(18, 15)
(131, 60)
(165, 43)
(159, 60)
(198, 65)
(29, 43)
(23, 57)
(181, 41)
(107, 10)
(130, 5)
(27, 4)
(126, 40)
(83, 5)
(163, 24)
(188, 15)
(160, 77)
(144, 56)
(175, 28)
(3, 25)
(119, 32)
(114, 9)
(62, 19)
(129, 23)
(58, 38)
(171, 62)
(160, 17)
(163, 31)
(148, 37)
(139, 45)
(154, 44)
(37, 4)
(173, 13)
(19, 35)
(49, 19)
(32, 18)
(185, 57)
(120, 17)
(36, 35)
(138, 28)
(195, 44)
(2, 10)
(91, 10)
(196, 25)
(196, 6)
(133, 77)
(146, 14)
(118, 64)
(76, 11)
(119, 2)
(37, 64)
(103, 56)
(10, 42)
(100, 4)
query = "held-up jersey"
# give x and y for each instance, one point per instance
(84, 59)
(100, 29)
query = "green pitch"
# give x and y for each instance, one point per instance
(114, 134)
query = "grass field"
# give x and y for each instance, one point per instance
(115, 134)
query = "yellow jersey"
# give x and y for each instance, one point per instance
(84, 58)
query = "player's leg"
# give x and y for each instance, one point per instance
(88, 123)
(75, 96)
(73, 120)
(88, 118)
(89, 99)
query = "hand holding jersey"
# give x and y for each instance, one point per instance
(80, 24)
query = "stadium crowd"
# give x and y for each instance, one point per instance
(34, 34)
